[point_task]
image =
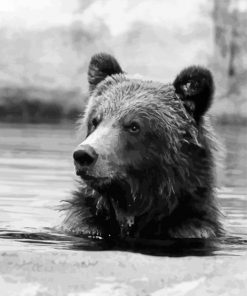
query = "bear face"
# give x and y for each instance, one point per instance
(146, 151)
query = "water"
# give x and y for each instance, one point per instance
(36, 173)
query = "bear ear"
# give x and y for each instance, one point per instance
(101, 66)
(195, 87)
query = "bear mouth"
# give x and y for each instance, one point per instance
(87, 177)
(84, 176)
(111, 189)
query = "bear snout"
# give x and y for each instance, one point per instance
(85, 156)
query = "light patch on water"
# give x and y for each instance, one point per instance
(21, 288)
(179, 289)
(108, 289)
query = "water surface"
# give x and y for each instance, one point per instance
(36, 173)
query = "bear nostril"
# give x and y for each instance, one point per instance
(85, 156)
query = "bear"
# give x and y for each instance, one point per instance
(146, 161)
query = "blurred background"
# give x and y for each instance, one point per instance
(46, 46)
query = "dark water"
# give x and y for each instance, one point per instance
(36, 172)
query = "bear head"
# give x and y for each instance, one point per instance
(145, 144)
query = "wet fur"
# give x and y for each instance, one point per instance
(196, 213)
(171, 189)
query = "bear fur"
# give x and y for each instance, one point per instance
(146, 160)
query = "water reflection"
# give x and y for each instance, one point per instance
(36, 172)
(231, 245)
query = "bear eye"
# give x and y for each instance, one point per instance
(95, 122)
(134, 127)
(92, 125)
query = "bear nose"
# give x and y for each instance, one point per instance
(85, 155)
